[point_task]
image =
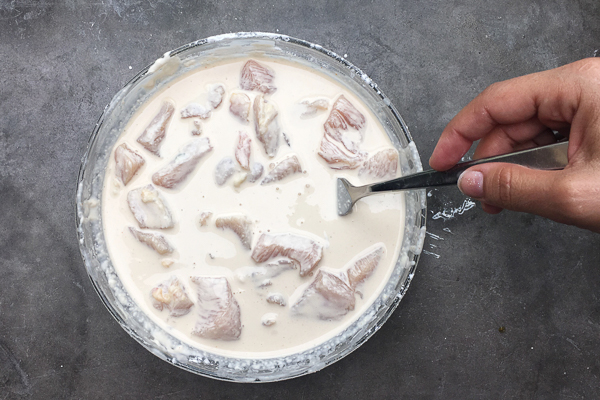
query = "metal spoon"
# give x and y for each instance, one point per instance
(551, 157)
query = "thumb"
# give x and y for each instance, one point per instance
(510, 186)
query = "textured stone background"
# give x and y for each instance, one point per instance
(60, 64)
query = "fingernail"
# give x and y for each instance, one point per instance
(471, 184)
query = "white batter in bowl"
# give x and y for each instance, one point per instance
(124, 271)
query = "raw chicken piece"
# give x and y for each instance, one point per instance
(382, 164)
(225, 168)
(242, 151)
(327, 297)
(183, 164)
(265, 124)
(127, 163)
(255, 172)
(171, 295)
(153, 240)
(265, 283)
(269, 319)
(312, 107)
(276, 298)
(304, 251)
(240, 225)
(261, 276)
(257, 77)
(240, 106)
(362, 268)
(349, 113)
(218, 311)
(197, 131)
(215, 95)
(155, 132)
(204, 217)
(337, 158)
(279, 266)
(331, 294)
(149, 208)
(344, 114)
(195, 110)
(289, 166)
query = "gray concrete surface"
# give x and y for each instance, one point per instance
(60, 64)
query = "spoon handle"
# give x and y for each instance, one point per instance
(551, 157)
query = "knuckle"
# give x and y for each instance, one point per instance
(588, 66)
(568, 194)
(493, 88)
(504, 183)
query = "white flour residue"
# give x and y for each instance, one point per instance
(450, 213)
(431, 245)
(434, 236)
(160, 62)
(431, 254)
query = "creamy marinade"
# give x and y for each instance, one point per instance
(302, 204)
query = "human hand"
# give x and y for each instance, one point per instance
(521, 113)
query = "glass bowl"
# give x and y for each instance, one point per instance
(89, 222)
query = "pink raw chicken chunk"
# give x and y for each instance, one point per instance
(204, 217)
(304, 251)
(242, 150)
(382, 164)
(218, 311)
(224, 170)
(262, 275)
(327, 297)
(215, 95)
(344, 114)
(240, 225)
(358, 271)
(331, 294)
(127, 163)
(265, 124)
(239, 105)
(155, 241)
(257, 77)
(171, 295)
(276, 298)
(197, 131)
(195, 110)
(313, 106)
(336, 157)
(184, 163)
(289, 166)
(255, 172)
(149, 208)
(155, 132)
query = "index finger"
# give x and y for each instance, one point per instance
(550, 96)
